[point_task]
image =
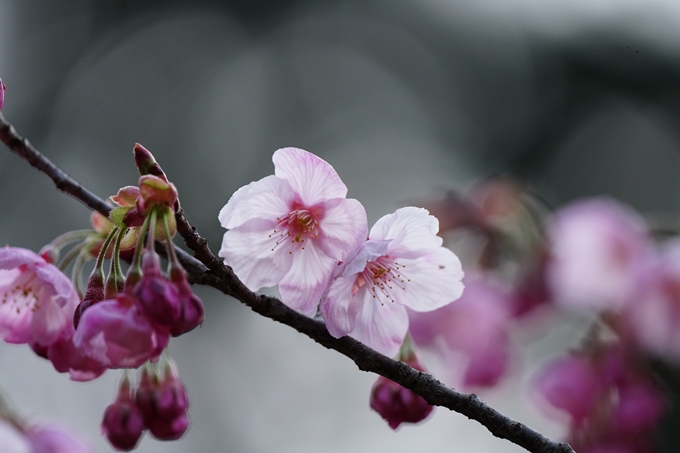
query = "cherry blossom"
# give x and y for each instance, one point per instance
(292, 228)
(598, 247)
(37, 300)
(401, 265)
(117, 333)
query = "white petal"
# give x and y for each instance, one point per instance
(306, 281)
(434, 280)
(413, 230)
(248, 250)
(268, 198)
(313, 179)
(381, 326)
(339, 309)
(343, 227)
(370, 250)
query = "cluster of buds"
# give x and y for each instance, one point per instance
(116, 321)
(136, 315)
(159, 404)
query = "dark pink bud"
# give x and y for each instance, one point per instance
(164, 397)
(172, 399)
(396, 404)
(173, 429)
(156, 190)
(123, 423)
(191, 307)
(146, 164)
(2, 93)
(66, 358)
(157, 296)
(93, 294)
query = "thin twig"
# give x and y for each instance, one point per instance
(209, 270)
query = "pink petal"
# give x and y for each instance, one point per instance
(370, 251)
(49, 321)
(13, 257)
(268, 198)
(343, 227)
(302, 287)
(413, 230)
(380, 326)
(435, 280)
(248, 250)
(57, 439)
(313, 179)
(339, 309)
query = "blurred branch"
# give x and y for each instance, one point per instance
(209, 270)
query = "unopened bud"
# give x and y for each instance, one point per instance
(2, 93)
(123, 424)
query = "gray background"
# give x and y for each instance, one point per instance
(404, 98)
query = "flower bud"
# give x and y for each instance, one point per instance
(163, 429)
(163, 401)
(191, 307)
(396, 404)
(146, 164)
(157, 296)
(123, 424)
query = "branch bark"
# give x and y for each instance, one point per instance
(206, 269)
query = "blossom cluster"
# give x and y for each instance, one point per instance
(597, 257)
(117, 321)
(296, 229)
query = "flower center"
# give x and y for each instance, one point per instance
(382, 277)
(24, 293)
(298, 225)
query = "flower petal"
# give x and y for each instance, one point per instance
(343, 227)
(313, 179)
(339, 309)
(268, 198)
(12, 257)
(434, 280)
(413, 231)
(381, 326)
(370, 250)
(248, 250)
(302, 287)
(49, 321)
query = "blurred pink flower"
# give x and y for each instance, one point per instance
(56, 439)
(116, 333)
(470, 335)
(37, 300)
(402, 265)
(598, 247)
(654, 319)
(292, 228)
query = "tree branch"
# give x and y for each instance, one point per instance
(209, 270)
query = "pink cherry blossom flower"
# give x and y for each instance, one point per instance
(292, 228)
(469, 337)
(598, 247)
(37, 300)
(117, 333)
(401, 265)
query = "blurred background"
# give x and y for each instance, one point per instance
(405, 98)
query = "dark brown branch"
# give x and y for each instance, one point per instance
(209, 270)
